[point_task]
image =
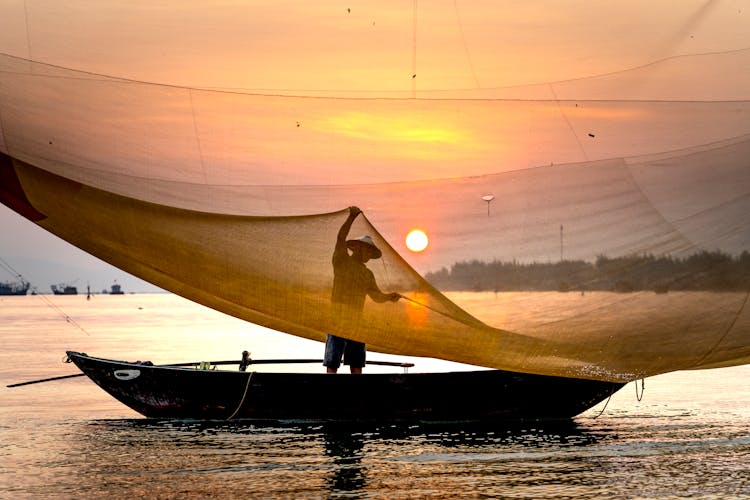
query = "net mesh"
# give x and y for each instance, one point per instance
(582, 222)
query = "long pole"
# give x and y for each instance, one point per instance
(561, 243)
(232, 362)
(488, 198)
(45, 380)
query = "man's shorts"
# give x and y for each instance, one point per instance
(337, 347)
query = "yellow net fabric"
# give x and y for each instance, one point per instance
(277, 272)
(588, 218)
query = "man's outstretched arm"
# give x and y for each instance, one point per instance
(344, 231)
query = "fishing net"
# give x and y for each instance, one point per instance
(585, 226)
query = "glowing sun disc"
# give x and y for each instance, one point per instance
(416, 240)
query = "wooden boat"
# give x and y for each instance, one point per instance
(185, 391)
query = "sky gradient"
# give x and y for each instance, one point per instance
(332, 94)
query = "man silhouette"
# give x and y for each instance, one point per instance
(352, 282)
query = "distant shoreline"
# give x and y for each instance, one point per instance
(702, 271)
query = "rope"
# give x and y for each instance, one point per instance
(197, 136)
(430, 308)
(605, 407)
(9, 269)
(298, 92)
(385, 271)
(567, 121)
(244, 395)
(643, 389)
(28, 34)
(466, 46)
(729, 329)
(447, 315)
(414, 52)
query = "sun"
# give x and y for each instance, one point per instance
(416, 240)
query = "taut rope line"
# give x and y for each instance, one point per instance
(9, 269)
(430, 308)
(244, 395)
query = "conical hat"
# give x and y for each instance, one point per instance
(367, 243)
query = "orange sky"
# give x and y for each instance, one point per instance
(478, 58)
(367, 46)
(499, 86)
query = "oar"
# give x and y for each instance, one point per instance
(252, 362)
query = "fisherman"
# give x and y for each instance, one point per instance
(352, 282)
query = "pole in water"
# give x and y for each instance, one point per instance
(561, 243)
(488, 198)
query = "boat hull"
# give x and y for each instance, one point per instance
(491, 395)
(14, 288)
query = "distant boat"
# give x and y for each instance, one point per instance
(116, 290)
(63, 289)
(19, 288)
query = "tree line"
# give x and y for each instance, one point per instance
(705, 270)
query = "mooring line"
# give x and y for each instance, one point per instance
(244, 395)
(643, 389)
(605, 406)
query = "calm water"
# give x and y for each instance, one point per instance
(689, 436)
